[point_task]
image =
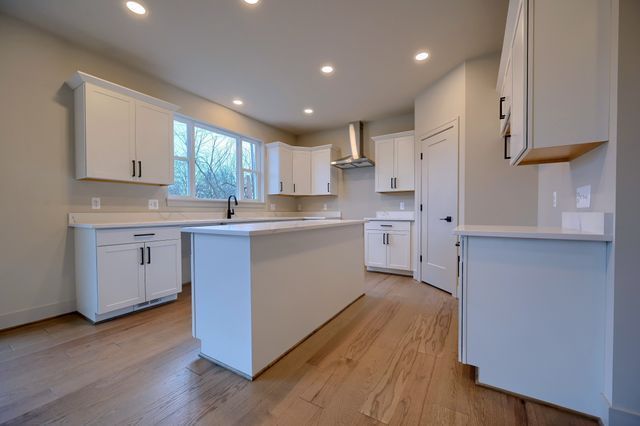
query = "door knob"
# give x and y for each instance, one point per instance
(447, 219)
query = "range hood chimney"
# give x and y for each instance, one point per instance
(356, 143)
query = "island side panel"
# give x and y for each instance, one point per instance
(535, 316)
(222, 299)
(300, 281)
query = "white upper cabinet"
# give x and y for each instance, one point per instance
(294, 170)
(324, 177)
(395, 162)
(301, 172)
(554, 79)
(121, 135)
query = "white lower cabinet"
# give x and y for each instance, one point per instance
(388, 246)
(121, 270)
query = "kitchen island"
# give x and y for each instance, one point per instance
(259, 289)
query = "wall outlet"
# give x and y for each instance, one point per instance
(583, 197)
(299, 207)
(401, 205)
(324, 206)
(153, 204)
(272, 207)
(95, 203)
(555, 199)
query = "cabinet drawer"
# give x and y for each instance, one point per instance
(106, 237)
(387, 226)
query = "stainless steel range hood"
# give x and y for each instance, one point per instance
(356, 143)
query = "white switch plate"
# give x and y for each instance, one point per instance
(324, 206)
(401, 205)
(153, 204)
(583, 197)
(272, 207)
(95, 203)
(299, 207)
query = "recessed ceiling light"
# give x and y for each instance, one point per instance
(136, 8)
(238, 101)
(422, 56)
(308, 111)
(327, 69)
(252, 1)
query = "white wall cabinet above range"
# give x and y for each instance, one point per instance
(121, 270)
(388, 246)
(294, 170)
(121, 135)
(554, 79)
(394, 171)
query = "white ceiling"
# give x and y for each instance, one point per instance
(270, 54)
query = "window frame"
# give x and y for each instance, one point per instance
(191, 123)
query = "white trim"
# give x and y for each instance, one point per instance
(79, 78)
(392, 135)
(25, 316)
(199, 202)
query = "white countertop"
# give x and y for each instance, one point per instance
(267, 228)
(187, 222)
(536, 232)
(388, 219)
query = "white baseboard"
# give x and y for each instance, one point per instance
(621, 417)
(25, 316)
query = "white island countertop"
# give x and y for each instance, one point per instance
(535, 232)
(267, 228)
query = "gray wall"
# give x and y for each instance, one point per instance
(37, 163)
(356, 193)
(491, 191)
(626, 303)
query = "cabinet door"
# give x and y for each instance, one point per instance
(518, 121)
(301, 172)
(154, 144)
(321, 172)
(120, 277)
(506, 94)
(384, 164)
(280, 169)
(404, 164)
(399, 251)
(375, 249)
(163, 275)
(109, 135)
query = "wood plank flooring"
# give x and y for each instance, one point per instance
(390, 358)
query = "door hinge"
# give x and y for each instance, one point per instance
(420, 258)
(421, 156)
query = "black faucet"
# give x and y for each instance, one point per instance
(230, 211)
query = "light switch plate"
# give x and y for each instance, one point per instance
(95, 203)
(401, 205)
(153, 204)
(583, 197)
(324, 206)
(299, 207)
(272, 207)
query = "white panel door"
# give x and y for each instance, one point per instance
(375, 249)
(120, 276)
(163, 268)
(440, 208)
(518, 121)
(154, 144)
(399, 251)
(321, 172)
(110, 134)
(301, 172)
(384, 170)
(404, 164)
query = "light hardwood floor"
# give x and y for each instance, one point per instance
(390, 358)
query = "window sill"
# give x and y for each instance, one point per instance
(194, 202)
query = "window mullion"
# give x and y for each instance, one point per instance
(192, 158)
(239, 179)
